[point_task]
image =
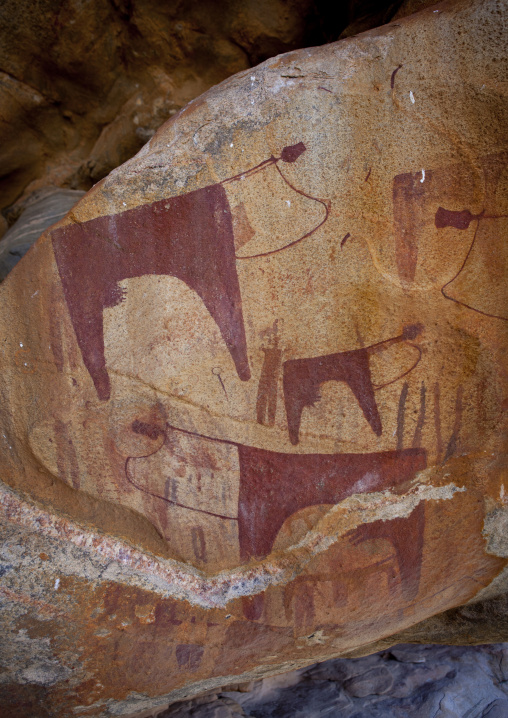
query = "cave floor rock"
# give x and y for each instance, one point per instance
(421, 681)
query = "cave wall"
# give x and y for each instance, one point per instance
(84, 84)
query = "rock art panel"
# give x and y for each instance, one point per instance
(254, 384)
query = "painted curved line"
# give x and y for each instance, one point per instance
(163, 498)
(252, 171)
(378, 346)
(392, 78)
(415, 346)
(457, 301)
(326, 205)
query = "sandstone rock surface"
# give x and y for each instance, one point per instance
(254, 384)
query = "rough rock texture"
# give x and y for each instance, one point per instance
(406, 682)
(83, 85)
(254, 385)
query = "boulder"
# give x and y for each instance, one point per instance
(38, 216)
(254, 385)
(452, 681)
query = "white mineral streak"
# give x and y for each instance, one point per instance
(495, 530)
(495, 533)
(169, 578)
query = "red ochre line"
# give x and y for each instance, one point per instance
(415, 346)
(232, 443)
(208, 438)
(163, 498)
(326, 205)
(401, 337)
(252, 170)
(392, 79)
(457, 301)
(263, 473)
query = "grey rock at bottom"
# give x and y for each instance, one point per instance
(407, 680)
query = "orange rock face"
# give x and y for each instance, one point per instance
(254, 385)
